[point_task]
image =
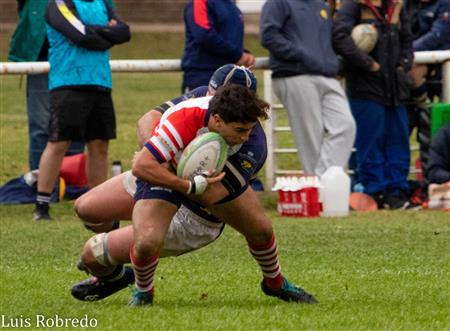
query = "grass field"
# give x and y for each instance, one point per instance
(373, 271)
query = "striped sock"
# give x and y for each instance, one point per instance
(43, 199)
(267, 257)
(144, 271)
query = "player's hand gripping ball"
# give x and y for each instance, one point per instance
(204, 156)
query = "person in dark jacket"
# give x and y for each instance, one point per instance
(377, 85)
(214, 37)
(297, 34)
(80, 32)
(439, 166)
(431, 32)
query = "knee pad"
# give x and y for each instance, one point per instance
(98, 245)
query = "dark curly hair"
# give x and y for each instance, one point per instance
(237, 103)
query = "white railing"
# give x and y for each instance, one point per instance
(30, 68)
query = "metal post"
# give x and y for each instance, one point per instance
(269, 129)
(446, 82)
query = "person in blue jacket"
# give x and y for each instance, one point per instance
(214, 37)
(431, 32)
(439, 168)
(80, 32)
(29, 44)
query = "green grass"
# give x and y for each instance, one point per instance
(379, 271)
(374, 271)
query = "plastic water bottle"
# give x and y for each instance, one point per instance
(335, 192)
(116, 168)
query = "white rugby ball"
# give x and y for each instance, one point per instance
(365, 37)
(205, 153)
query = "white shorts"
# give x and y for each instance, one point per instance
(187, 231)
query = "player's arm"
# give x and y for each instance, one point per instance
(63, 19)
(240, 168)
(145, 124)
(149, 168)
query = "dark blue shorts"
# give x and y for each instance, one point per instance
(146, 191)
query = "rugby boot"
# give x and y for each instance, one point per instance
(288, 292)
(141, 298)
(94, 288)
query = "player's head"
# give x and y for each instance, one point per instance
(232, 74)
(235, 110)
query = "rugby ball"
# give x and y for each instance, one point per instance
(365, 37)
(203, 154)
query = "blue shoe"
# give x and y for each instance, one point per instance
(140, 298)
(288, 292)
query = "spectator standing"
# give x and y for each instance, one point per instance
(297, 34)
(377, 85)
(214, 37)
(29, 43)
(80, 32)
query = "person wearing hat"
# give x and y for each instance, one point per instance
(192, 227)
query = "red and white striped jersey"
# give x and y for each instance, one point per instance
(178, 126)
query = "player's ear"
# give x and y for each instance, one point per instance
(217, 120)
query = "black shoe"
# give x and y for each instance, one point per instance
(379, 199)
(289, 292)
(396, 201)
(94, 289)
(41, 213)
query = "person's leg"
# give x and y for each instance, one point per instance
(103, 257)
(397, 150)
(340, 127)
(38, 109)
(151, 220)
(104, 254)
(246, 215)
(49, 166)
(106, 203)
(38, 117)
(97, 162)
(369, 117)
(302, 101)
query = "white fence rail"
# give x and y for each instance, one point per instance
(32, 68)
